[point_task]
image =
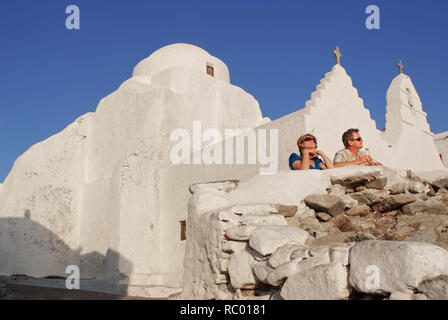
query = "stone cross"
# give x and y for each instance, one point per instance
(337, 54)
(400, 66)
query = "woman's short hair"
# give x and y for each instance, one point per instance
(302, 139)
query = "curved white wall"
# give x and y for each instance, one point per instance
(181, 54)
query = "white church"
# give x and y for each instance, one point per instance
(104, 195)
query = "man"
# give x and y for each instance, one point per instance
(352, 154)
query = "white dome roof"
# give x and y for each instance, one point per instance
(181, 54)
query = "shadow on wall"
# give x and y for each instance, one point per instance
(32, 254)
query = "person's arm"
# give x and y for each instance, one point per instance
(305, 163)
(327, 164)
(359, 161)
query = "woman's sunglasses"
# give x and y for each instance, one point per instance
(309, 139)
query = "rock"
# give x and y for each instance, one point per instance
(283, 254)
(361, 224)
(361, 210)
(233, 246)
(403, 232)
(360, 188)
(261, 270)
(395, 202)
(240, 270)
(264, 220)
(301, 253)
(267, 239)
(417, 187)
(293, 267)
(436, 288)
(340, 254)
(323, 282)
(308, 223)
(426, 234)
(379, 183)
(430, 206)
(240, 233)
(397, 188)
(368, 196)
(379, 267)
(325, 202)
(351, 182)
(221, 279)
(334, 238)
(287, 211)
(322, 216)
(279, 274)
(336, 190)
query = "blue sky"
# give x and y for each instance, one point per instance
(277, 50)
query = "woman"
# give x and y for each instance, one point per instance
(309, 155)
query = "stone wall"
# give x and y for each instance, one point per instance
(366, 234)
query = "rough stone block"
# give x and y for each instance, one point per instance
(325, 202)
(267, 239)
(368, 197)
(323, 282)
(240, 270)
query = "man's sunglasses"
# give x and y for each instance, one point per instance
(358, 139)
(309, 139)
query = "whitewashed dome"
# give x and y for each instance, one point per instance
(181, 54)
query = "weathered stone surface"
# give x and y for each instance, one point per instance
(287, 211)
(395, 202)
(283, 254)
(430, 206)
(240, 233)
(266, 240)
(334, 238)
(379, 183)
(399, 264)
(436, 288)
(264, 220)
(233, 246)
(240, 270)
(340, 254)
(397, 188)
(353, 181)
(404, 232)
(361, 224)
(294, 266)
(322, 216)
(261, 270)
(417, 187)
(426, 234)
(325, 202)
(361, 210)
(323, 282)
(368, 196)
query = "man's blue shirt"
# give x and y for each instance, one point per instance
(294, 157)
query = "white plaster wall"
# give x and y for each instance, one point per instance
(39, 206)
(407, 129)
(181, 54)
(441, 141)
